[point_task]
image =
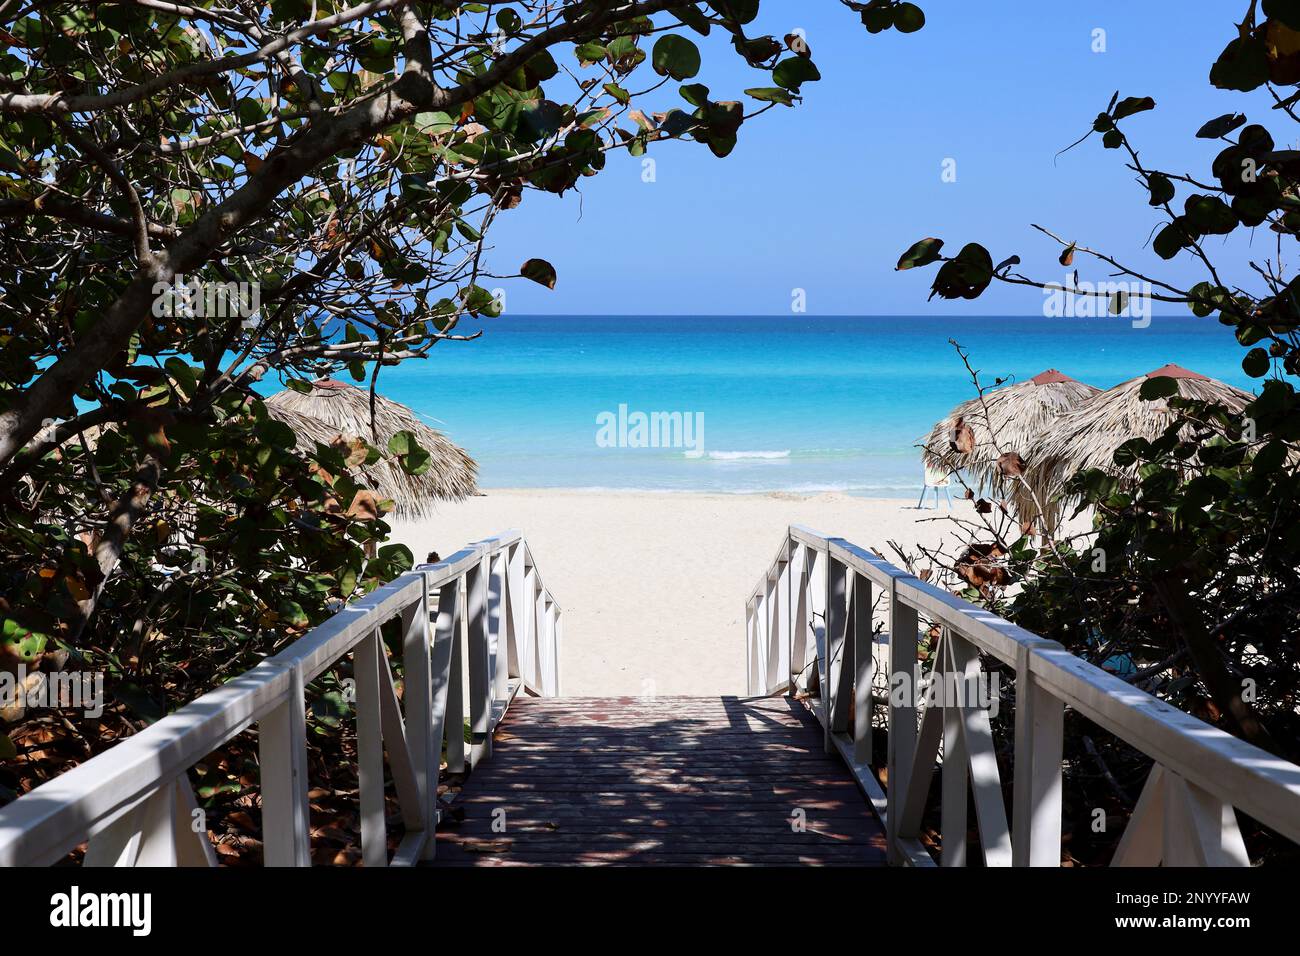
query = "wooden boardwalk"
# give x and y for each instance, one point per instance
(660, 781)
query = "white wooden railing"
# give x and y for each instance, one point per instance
(813, 608)
(133, 804)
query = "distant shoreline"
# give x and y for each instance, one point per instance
(786, 494)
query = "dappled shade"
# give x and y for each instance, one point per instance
(332, 409)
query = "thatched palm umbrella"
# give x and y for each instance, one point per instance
(1004, 421)
(332, 409)
(1088, 436)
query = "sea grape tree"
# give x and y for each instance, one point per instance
(1198, 579)
(341, 161)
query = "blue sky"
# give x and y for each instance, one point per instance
(826, 196)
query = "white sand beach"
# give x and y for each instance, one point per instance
(653, 585)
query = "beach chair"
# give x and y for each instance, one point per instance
(939, 481)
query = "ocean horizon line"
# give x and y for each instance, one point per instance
(814, 491)
(810, 403)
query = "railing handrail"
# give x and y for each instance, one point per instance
(1236, 772)
(43, 825)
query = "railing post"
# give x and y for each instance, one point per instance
(817, 594)
(771, 633)
(840, 666)
(528, 634)
(497, 613)
(517, 607)
(370, 750)
(282, 746)
(423, 740)
(954, 789)
(751, 650)
(559, 642)
(799, 612)
(450, 598)
(549, 678)
(480, 678)
(762, 636)
(902, 712)
(539, 634)
(865, 666)
(1036, 781)
(779, 669)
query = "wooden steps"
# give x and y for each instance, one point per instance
(660, 781)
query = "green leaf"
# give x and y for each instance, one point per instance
(412, 459)
(291, 613)
(402, 442)
(697, 94)
(676, 57)
(389, 561)
(1169, 241)
(509, 21)
(1131, 452)
(540, 271)
(737, 11)
(182, 375)
(1131, 105)
(624, 55)
(540, 69)
(21, 642)
(795, 71)
(920, 254)
(1243, 65)
(966, 276)
(1161, 386)
(589, 53)
(1162, 189)
(1209, 299)
(1210, 215)
(878, 19)
(331, 708)
(1221, 126)
(693, 18)
(1256, 364)
(908, 18)
(771, 94)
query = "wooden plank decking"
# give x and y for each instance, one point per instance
(660, 781)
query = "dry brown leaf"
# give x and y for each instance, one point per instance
(365, 506)
(1011, 465)
(963, 437)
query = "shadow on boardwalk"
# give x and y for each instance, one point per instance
(661, 781)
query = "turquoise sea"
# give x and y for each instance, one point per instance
(800, 403)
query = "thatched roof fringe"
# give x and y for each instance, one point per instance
(1004, 420)
(335, 408)
(1088, 436)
